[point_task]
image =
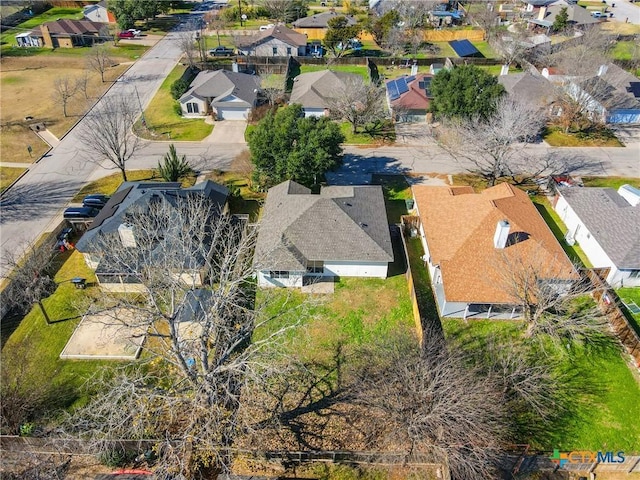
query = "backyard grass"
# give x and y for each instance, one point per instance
(8, 175)
(162, 119)
(603, 416)
(611, 182)
(43, 343)
(357, 69)
(359, 311)
(559, 229)
(557, 138)
(625, 50)
(485, 49)
(631, 294)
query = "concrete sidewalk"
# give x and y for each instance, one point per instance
(48, 137)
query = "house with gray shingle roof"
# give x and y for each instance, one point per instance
(314, 90)
(340, 232)
(277, 41)
(321, 21)
(606, 225)
(230, 95)
(140, 198)
(529, 88)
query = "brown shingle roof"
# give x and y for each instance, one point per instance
(459, 227)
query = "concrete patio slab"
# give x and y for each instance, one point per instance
(102, 336)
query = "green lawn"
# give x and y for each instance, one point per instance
(396, 191)
(557, 138)
(211, 41)
(163, 121)
(359, 311)
(485, 49)
(45, 342)
(631, 294)
(574, 252)
(370, 134)
(602, 415)
(612, 182)
(108, 185)
(357, 69)
(624, 50)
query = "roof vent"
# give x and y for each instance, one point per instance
(502, 234)
(363, 225)
(630, 194)
(602, 70)
(127, 237)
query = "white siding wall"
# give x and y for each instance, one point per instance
(282, 49)
(587, 242)
(314, 112)
(356, 269)
(294, 280)
(202, 107)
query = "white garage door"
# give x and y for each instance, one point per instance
(232, 113)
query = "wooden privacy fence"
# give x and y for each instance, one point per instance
(82, 447)
(415, 307)
(609, 303)
(430, 35)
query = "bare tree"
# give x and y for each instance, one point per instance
(30, 278)
(358, 103)
(64, 88)
(216, 22)
(556, 304)
(99, 60)
(82, 84)
(272, 87)
(284, 10)
(512, 47)
(195, 265)
(107, 132)
(486, 17)
(435, 404)
(494, 146)
(187, 44)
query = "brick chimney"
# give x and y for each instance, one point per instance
(46, 36)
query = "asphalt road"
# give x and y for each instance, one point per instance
(36, 202)
(624, 11)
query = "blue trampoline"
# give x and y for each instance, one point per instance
(464, 48)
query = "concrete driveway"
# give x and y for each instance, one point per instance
(227, 131)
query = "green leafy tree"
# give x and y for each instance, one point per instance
(287, 146)
(561, 21)
(465, 91)
(172, 167)
(381, 27)
(339, 32)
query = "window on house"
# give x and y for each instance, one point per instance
(278, 274)
(192, 108)
(288, 50)
(315, 266)
(634, 274)
(275, 51)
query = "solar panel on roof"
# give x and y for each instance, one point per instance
(392, 88)
(402, 85)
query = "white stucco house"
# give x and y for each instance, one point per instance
(475, 243)
(606, 225)
(340, 232)
(314, 90)
(277, 41)
(228, 95)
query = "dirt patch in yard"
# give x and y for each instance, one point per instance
(102, 336)
(27, 85)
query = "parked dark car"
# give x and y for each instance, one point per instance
(127, 34)
(221, 52)
(95, 200)
(80, 213)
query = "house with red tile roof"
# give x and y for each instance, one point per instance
(408, 97)
(472, 241)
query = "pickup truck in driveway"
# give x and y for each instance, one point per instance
(221, 52)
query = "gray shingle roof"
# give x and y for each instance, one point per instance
(320, 20)
(282, 33)
(339, 224)
(219, 84)
(138, 194)
(532, 89)
(314, 89)
(611, 220)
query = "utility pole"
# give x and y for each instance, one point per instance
(240, 11)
